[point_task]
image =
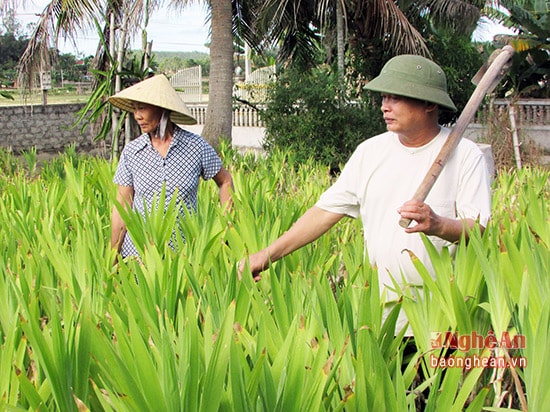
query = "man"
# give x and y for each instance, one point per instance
(383, 173)
(164, 156)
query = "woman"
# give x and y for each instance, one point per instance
(165, 155)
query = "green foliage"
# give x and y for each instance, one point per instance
(179, 330)
(11, 48)
(9, 163)
(460, 60)
(308, 114)
(69, 68)
(530, 71)
(13, 43)
(457, 56)
(97, 106)
(6, 95)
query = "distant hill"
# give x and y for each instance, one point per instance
(195, 55)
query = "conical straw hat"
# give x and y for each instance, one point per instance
(156, 91)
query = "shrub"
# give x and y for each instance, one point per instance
(499, 134)
(460, 60)
(308, 114)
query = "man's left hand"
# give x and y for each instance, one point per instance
(427, 221)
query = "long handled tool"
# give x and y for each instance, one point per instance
(486, 79)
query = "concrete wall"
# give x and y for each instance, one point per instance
(540, 134)
(48, 128)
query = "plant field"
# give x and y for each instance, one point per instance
(180, 331)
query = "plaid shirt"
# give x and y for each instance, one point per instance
(142, 167)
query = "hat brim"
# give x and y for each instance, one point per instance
(128, 106)
(403, 87)
(156, 91)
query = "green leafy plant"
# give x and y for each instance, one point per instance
(97, 108)
(177, 330)
(309, 114)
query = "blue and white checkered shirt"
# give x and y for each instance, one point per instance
(141, 166)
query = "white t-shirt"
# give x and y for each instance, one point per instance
(382, 174)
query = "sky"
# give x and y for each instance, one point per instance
(168, 30)
(171, 31)
(486, 29)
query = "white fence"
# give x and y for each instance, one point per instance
(528, 113)
(243, 116)
(254, 88)
(188, 84)
(534, 112)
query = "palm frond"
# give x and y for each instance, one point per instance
(293, 26)
(380, 19)
(457, 16)
(37, 56)
(244, 14)
(531, 23)
(59, 19)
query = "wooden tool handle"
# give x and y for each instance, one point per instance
(494, 72)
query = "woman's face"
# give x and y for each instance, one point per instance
(147, 116)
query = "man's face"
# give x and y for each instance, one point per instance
(147, 116)
(403, 114)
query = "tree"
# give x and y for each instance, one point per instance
(303, 116)
(219, 121)
(123, 18)
(530, 72)
(10, 50)
(69, 17)
(374, 30)
(69, 68)
(12, 45)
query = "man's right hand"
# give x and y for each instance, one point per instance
(307, 228)
(258, 262)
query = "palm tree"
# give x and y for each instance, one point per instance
(65, 18)
(117, 22)
(219, 121)
(376, 29)
(121, 20)
(55, 21)
(373, 29)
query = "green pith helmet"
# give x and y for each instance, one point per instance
(413, 76)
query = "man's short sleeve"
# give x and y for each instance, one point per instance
(342, 197)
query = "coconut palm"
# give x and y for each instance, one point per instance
(63, 19)
(219, 120)
(219, 112)
(371, 26)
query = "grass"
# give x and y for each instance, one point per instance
(55, 96)
(179, 331)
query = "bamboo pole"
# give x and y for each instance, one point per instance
(487, 82)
